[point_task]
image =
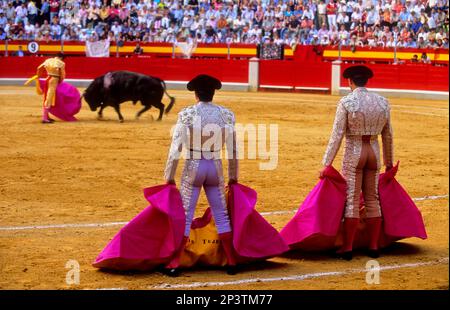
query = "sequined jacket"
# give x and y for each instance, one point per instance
(53, 67)
(202, 130)
(361, 113)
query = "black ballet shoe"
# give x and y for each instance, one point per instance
(232, 270)
(332, 254)
(47, 122)
(348, 255)
(51, 120)
(171, 272)
(373, 253)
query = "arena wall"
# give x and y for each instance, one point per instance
(410, 80)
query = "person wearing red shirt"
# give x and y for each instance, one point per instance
(397, 7)
(331, 13)
(54, 9)
(114, 14)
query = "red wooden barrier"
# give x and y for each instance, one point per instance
(167, 69)
(272, 72)
(295, 74)
(407, 76)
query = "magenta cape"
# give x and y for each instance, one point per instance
(253, 236)
(318, 222)
(67, 101)
(152, 237)
(402, 219)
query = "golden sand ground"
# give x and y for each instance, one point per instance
(93, 172)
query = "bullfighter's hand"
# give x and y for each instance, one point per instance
(232, 181)
(322, 172)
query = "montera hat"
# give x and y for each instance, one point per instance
(204, 82)
(357, 72)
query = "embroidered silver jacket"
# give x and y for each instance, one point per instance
(360, 113)
(202, 130)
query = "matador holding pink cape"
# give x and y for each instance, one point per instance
(61, 99)
(375, 209)
(361, 117)
(160, 234)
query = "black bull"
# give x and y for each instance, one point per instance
(116, 87)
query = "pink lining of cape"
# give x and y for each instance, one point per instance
(317, 224)
(152, 237)
(67, 101)
(253, 236)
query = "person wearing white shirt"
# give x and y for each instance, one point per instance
(165, 22)
(248, 15)
(350, 7)
(418, 8)
(55, 31)
(372, 17)
(3, 20)
(194, 26)
(29, 30)
(372, 42)
(32, 12)
(322, 12)
(390, 43)
(386, 5)
(441, 35)
(431, 22)
(187, 22)
(343, 35)
(325, 40)
(21, 14)
(211, 12)
(356, 18)
(342, 7)
(342, 19)
(238, 24)
(116, 29)
(307, 13)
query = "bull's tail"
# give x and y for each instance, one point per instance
(172, 99)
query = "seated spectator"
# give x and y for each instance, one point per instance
(417, 24)
(19, 52)
(425, 59)
(138, 50)
(2, 34)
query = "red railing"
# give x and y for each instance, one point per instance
(406, 76)
(294, 74)
(287, 74)
(168, 69)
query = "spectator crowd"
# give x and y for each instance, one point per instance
(373, 23)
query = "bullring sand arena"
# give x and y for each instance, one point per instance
(67, 188)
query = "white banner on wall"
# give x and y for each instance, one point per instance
(97, 49)
(186, 48)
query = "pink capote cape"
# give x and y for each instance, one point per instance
(317, 221)
(401, 217)
(253, 236)
(67, 101)
(314, 225)
(152, 237)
